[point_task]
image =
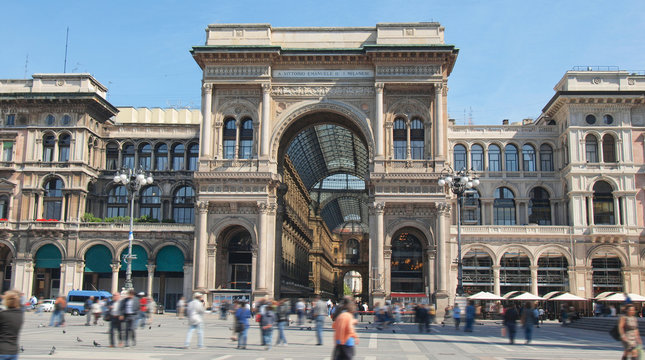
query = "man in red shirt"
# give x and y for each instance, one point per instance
(143, 309)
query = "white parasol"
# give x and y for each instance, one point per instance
(568, 297)
(484, 295)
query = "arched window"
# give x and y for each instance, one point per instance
(145, 156)
(63, 147)
(230, 130)
(239, 261)
(528, 158)
(4, 207)
(49, 142)
(470, 208)
(53, 199)
(150, 202)
(494, 158)
(246, 139)
(407, 264)
(66, 119)
(127, 156)
(416, 139)
(117, 203)
(514, 271)
(352, 252)
(546, 157)
(539, 207)
(608, 148)
(50, 119)
(161, 157)
(178, 157)
(512, 161)
(552, 272)
(477, 158)
(193, 157)
(183, 205)
(112, 156)
(478, 271)
(603, 204)
(504, 207)
(591, 148)
(400, 139)
(460, 157)
(607, 272)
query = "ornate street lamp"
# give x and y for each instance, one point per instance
(460, 182)
(133, 181)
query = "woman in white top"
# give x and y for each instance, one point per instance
(96, 309)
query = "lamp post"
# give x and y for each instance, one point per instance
(133, 180)
(459, 182)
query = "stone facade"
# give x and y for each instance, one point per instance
(560, 205)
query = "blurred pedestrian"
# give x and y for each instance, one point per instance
(87, 310)
(300, 312)
(345, 338)
(129, 308)
(58, 315)
(195, 314)
(266, 324)
(11, 320)
(528, 319)
(320, 313)
(142, 315)
(470, 316)
(242, 316)
(456, 315)
(510, 321)
(96, 311)
(629, 334)
(115, 318)
(181, 306)
(282, 316)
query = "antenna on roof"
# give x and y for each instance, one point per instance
(66, 43)
(26, 64)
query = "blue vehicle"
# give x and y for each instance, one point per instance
(76, 300)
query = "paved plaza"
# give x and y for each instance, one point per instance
(164, 340)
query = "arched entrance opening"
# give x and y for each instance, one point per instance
(515, 271)
(478, 272)
(97, 274)
(408, 278)
(553, 272)
(324, 163)
(235, 259)
(168, 284)
(139, 269)
(607, 270)
(6, 267)
(47, 271)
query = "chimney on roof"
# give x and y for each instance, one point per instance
(452, 122)
(527, 121)
(505, 122)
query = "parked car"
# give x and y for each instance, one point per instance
(76, 300)
(47, 305)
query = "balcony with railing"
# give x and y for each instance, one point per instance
(96, 226)
(548, 230)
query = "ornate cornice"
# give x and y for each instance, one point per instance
(408, 70)
(234, 71)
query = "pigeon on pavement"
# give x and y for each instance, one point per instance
(78, 339)
(52, 351)
(96, 344)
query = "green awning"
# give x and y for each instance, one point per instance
(48, 257)
(138, 264)
(170, 258)
(98, 259)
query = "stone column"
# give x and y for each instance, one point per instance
(379, 120)
(589, 201)
(430, 270)
(207, 127)
(188, 276)
(266, 120)
(534, 279)
(408, 148)
(443, 267)
(237, 139)
(200, 248)
(377, 270)
(262, 247)
(151, 278)
(617, 214)
(438, 121)
(387, 270)
(219, 139)
(115, 276)
(496, 287)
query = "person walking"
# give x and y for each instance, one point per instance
(320, 313)
(421, 317)
(345, 338)
(87, 310)
(181, 307)
(510, 322)
(115, 318)
(456, 315)
(300, 311)
(58, 315)
(266, 324)
(11, 321)
(97, 310)
(242, 316)
(629, 334)
(282, 316)
(195, 314)
(470, 316)
(129, 308)
(142, 315)
(528, 319)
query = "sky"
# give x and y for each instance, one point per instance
(511, 53)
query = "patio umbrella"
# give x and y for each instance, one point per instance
(603, 295)
(620, 297)
(568, 297)
(484, 295)
(527, 297)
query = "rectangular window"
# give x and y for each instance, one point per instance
(162, 163)
(229, 149)
(416, 146)
(144, 162)
(7, 151)
(399, 149)
(494, 161)
(245, 149)
(11, 120)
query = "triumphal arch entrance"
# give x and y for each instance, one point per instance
(321, 151)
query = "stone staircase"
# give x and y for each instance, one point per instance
(602, 324)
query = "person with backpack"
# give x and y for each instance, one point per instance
(529, 318)
(242, 316)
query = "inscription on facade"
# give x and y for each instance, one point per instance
(322, 90)
(236, 71)
(323, 74)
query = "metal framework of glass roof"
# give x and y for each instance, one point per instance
(332, 162)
